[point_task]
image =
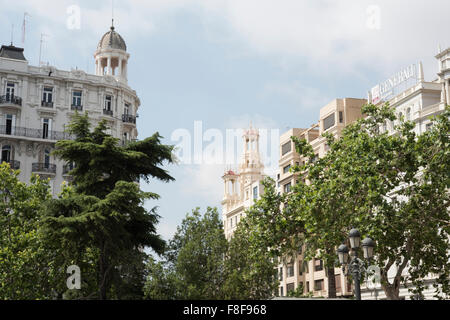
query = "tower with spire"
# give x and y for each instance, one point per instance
(243, 186)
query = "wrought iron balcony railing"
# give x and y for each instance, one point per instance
(108, 112)
(9, 98)
(14, 164)
(43, 167)
(35, 133)
(76, 107)
(47, 104)
(128, 118)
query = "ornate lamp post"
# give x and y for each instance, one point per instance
(355, 267)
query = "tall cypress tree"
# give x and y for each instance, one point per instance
(100, 220)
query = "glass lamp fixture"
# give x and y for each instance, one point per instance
(355, 238)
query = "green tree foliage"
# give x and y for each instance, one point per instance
(25, 270)
(193, 267)
(101, 221)
(393, 187)
(251, 269)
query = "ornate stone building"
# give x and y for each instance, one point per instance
(37, 104)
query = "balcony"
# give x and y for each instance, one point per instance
(11, 100)
(14, 164)
(108, 112)
(35, 133)
(76, 107)
(47, 104)
(128, 118)
(45, 168)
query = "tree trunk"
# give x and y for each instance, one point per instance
(392, 291)
(331, 282)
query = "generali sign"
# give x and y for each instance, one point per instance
(403, 79)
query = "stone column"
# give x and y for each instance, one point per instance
(108, 66)
(119, 72)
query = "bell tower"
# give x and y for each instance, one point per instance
(251, 168)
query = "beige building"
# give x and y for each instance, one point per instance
(38, 102)
(295, 270)
(243, 186)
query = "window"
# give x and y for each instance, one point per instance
(281, 292)
(428, 126)
(287, 187)
(287, 168)
(341, 117)
(318, 285)
(6, 153)
(300, 267)
(328, 122)
(280, 274)
(278, 176)
(285, 148)
(9, 124)
(290, 270)
(126, 109)
(385, 126)
(45, 128)
(231, 222)
(290, 287)
(47, 158)
(108, 103)
(47, 97)
(318, 265)
(10, 90)
(76, 98)
(255, 193)
(408, 114)
(307, 286)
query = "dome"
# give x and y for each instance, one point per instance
(112, 40)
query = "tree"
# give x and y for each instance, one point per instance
(393, 187)
(193, 267)
(101, 221)
(251, 269)
(25, 269)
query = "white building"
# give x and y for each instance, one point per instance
(242, 188)
(417, 100)
(37, 104)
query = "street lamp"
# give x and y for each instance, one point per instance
(355, 267)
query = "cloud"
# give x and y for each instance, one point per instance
(308, 99)
(202, 181)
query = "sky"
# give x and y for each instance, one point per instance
(218, 65)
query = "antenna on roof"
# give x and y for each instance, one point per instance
(112, 14)
(12, 33)
(25, 15)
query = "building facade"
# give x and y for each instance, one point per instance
(419, 101)
(38, 102)
(242, 187)
(296, 271)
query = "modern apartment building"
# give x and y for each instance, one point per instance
(38, 102)
(296, 270)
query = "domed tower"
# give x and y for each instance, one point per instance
(111, 57)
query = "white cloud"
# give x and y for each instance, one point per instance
(202, 181)
(328, 35)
